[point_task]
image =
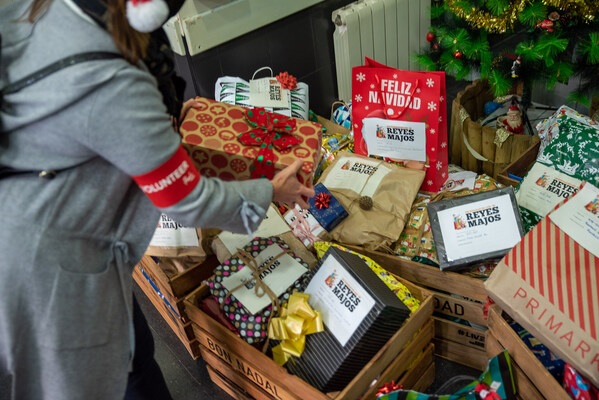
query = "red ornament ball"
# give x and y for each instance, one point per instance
(458, 55)
(430, 37)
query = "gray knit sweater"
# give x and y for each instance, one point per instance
(68, 245)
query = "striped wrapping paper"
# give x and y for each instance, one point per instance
(548, 283)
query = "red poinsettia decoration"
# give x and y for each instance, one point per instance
(287, 80)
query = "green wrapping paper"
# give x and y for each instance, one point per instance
(570, 147)
(495, 383)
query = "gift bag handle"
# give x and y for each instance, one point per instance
(385, 108)
(262, 69)
(336, 104)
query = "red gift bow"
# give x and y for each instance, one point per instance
(485, 393)
(322, 200)
(287, 80)
(270, 131)
(388, 388)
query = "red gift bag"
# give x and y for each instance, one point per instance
(402, 116)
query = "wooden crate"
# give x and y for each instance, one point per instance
(182, 329)
(242, 370)
(466, 302)
(455, 341)
(174, 288)
(533, 380)
(520, 167)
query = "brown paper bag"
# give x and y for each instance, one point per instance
(377, 195)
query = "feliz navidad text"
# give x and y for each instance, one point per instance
(395, 93)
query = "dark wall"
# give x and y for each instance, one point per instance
(301, 44)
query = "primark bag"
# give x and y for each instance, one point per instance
(548, 282)
(402, 116)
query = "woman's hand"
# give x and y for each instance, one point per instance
(188, 105)
(288, 189)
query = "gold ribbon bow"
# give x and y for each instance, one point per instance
(297, 319)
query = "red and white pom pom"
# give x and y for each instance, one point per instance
(147, 15)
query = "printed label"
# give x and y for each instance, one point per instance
(480, 227)
(579, 218)
(401, 140)
(544, 187)
(272, 225)
(341, 300)
(361, 175)
(281, 274)
(169, 233)
(268, 92)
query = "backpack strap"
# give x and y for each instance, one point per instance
(41, 74)
(56, 66)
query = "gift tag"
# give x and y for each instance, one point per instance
(272, 225)
(401, 140)
(579, 218)
(268, 92)
(283, 272)
(169, 233)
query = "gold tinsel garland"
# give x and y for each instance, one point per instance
(500, 23)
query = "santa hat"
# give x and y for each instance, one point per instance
(147, 15)
(513, 107)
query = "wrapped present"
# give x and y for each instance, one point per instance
(235, 143)
(326, 208)
(402, 292)
(377, 196)
(553, 363)
(304, 226)
(254, 282)
(360, 315)
(416, 240)
(293, 99)
(225, 244)
(577, 386)
(568, 155)
(497, 382)
(475, 229)
(548, 281)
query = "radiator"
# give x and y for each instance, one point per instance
(388, 31)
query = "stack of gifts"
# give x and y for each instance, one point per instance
(568, 155)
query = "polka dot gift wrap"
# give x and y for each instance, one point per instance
(253, 328)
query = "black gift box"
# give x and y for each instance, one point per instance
(343, 284)
(475, 229)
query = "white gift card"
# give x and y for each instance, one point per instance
(579, 218)
(268, 92)
(400, 140)
(479, 227)
(282, 274)
(359, 174)
(544, 187)
(272, 225)
(169, 233)
(341, 300)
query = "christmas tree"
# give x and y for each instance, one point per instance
(517, 43)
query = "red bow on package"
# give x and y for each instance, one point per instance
(388, 388)
(287, 80)
(485, 393)
(271, 131)
(322, 200)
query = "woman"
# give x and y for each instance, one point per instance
(68, 244)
